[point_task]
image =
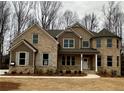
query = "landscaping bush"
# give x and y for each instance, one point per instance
(40, 71)
(28, 73)
(61, 71)
(75, 72)
(50, 72)
(68, 72)
(5, 73)
(13, 72)
(79, 72)
(103, 73)
(20, 73)
(113, 73)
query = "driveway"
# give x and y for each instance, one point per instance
(3, 70)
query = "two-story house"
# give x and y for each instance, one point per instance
(74, 48)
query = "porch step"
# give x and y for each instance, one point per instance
(90, 71)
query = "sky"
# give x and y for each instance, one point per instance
(86, 7)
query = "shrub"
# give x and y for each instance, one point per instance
(79, 72)
(28, 73)
(113, 73)
(57, 71)
(103, 73)
(50, 72)
(75, 72)
(13, 72)
(5, 73)
(40, 71)
(68, 72)
(20, 73)
(61, 71)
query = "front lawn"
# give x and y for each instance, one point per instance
(61, 84)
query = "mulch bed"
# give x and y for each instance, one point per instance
(6, 86)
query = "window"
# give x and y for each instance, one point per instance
(73, 60)
(63, 60)
(117, 60)
(68, 60)
(45, 59)
(85, 59)
(109, 42)
(98, 42)
(117, 43)
(69, 43)
(109, 60)
(22, 57)
(99, 61)
(85, 44)
(35, 38)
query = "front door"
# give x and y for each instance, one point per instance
(85, 63)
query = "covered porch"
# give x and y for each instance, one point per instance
(78, 59)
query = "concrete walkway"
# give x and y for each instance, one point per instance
(2, 71)
(88, 76)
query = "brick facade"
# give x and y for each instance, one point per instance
(48, 44)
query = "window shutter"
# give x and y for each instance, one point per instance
(17, 58)
(27, 59)
(49, 59)
(41, 59)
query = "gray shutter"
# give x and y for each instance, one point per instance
(17, 58)
(50, 60)
(41, 59)
(27, 58)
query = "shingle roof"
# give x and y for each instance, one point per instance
(95, 33)
(54, 33)
(82, 50)
(105, 33)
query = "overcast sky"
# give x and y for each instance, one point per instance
(84, 7)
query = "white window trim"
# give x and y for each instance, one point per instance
(98, 43)
(48, 58)
(25, 57)
(32, 38)
(69, 39)
(88, 44)
(109, 43)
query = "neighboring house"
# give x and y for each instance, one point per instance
(74, 48)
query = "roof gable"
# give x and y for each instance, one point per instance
(68, 30)
(54, 33)
(105, 33)
(36, 25)
(26, 43)
(78, 25)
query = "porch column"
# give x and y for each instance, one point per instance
(96, 68)
(81, 62)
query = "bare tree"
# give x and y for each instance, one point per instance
(21, 14)
(114, 18)
(68, 18)
(90, 21)
(47, 12)
(4, 15)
